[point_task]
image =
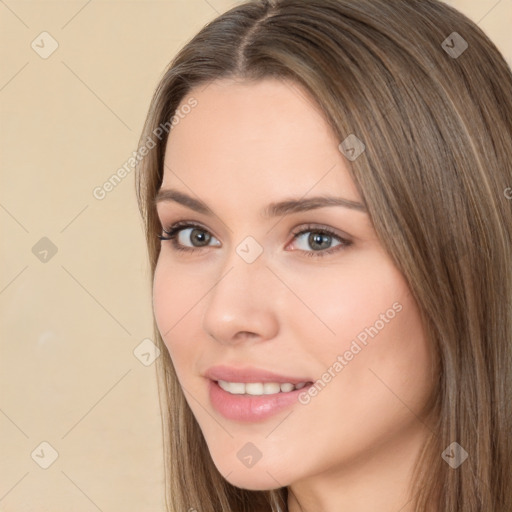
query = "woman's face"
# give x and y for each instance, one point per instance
(260, 286)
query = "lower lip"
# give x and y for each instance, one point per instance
(251, 408)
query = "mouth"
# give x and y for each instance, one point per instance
(250, 394)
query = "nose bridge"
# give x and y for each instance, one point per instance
(240, 301)
(244, 269)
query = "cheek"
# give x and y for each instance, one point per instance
(367, 340)
(343, 303)
(175, 292)
(174, 298)
(386, 375)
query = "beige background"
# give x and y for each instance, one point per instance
(70, 323)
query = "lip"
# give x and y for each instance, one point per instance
(250, 408)
(250, 374)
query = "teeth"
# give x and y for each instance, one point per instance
(237, 388)
(254, 388)
(271, 388)
(258, 388)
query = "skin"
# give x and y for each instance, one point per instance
(353, 446)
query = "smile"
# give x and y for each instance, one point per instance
(258, 388)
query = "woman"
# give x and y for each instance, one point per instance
(330, 242)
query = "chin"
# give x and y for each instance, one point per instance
(253, 481)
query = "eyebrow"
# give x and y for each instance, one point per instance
(277, 209)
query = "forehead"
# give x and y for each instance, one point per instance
(252, 137)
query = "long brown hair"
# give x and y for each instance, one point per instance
(431, 98)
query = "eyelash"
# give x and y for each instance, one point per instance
(173, 231)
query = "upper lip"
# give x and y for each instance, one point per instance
(249, 374)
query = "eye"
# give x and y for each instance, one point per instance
(188, 237)
(312, 241)
(319, 241)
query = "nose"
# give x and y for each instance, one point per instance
(242, 305)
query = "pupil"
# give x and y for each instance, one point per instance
(200, 236)
(319, 241)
